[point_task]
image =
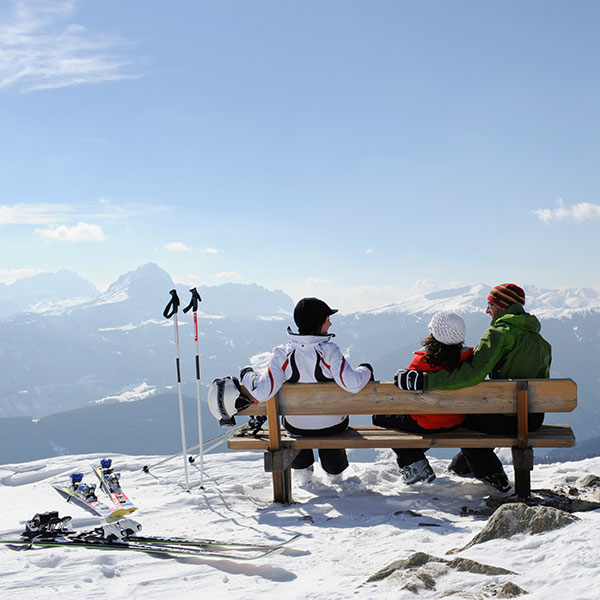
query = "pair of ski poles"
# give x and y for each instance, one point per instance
(171, 310)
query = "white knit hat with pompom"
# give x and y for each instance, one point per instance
(448, 327)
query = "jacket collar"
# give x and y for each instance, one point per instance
(307, 340)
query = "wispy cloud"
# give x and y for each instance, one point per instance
(82, 232)
(112, 210)
(369, 251)
(40, 50)
(41, 214)
(34, 214)
(209, 251)
(177, 247)
(583, 211)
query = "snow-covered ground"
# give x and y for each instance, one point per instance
(349, 532)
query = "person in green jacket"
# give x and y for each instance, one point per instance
(512, 348)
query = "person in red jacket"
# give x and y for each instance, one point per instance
(442, 349)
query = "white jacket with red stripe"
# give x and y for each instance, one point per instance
(307, 359)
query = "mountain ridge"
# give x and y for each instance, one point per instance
(75, 355)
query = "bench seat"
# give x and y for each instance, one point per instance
(549, 436)
(520, 397)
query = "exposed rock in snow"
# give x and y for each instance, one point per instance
(517, 517)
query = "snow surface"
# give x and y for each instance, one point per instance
(349, 531)
(131, 393)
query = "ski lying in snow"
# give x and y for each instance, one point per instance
(126, 530)
(84, 495)
(100, 544)
(50, 530)
(109, 483)
(238, 546)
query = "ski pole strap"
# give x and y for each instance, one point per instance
(194, 301)
(173, 305)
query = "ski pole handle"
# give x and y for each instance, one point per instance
(173, 305)
(194, 301)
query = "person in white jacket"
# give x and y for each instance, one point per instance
(310, 356)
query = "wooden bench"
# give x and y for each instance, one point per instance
(497, 396)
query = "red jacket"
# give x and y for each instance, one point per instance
(436, 421)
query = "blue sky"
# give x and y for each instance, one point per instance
(352, 150)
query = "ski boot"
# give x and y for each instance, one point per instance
(47, 525)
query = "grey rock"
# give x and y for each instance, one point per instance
(517, 517)
(413, 561)
(489, 592)
(542, 497)
(419, 581)
(472, 566)
(420, 570)
(590, 481)
(509, 590)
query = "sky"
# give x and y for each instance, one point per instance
(354, 150)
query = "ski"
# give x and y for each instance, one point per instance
(166, 549)
(109, 483)
(126, 530)
(239, 546)
(84, 496)
(50, 530)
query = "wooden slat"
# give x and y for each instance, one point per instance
(549, 436)
(523, 412)
(497, 396)
(280, 488)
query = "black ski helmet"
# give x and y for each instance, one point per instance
(310, 314)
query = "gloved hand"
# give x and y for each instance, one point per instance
(411, 380)
(244, 371)
(370, 369)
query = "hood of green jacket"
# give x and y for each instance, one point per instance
(515, 316)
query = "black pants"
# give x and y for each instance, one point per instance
(333, 461)
(406, 456)
(483, 461)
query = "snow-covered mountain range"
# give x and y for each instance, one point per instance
(63, 353)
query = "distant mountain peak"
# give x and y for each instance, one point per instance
(146, 281)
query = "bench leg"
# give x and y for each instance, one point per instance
(523, 465)
(278, 462)
(282, 486)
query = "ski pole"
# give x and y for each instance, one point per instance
(171, 311)
(194, 306)
(222, 437)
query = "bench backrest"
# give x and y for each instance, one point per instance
(497, 396)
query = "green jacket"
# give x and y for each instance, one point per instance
(512, 348)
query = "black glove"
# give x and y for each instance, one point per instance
(409, 379)
(370, 369)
